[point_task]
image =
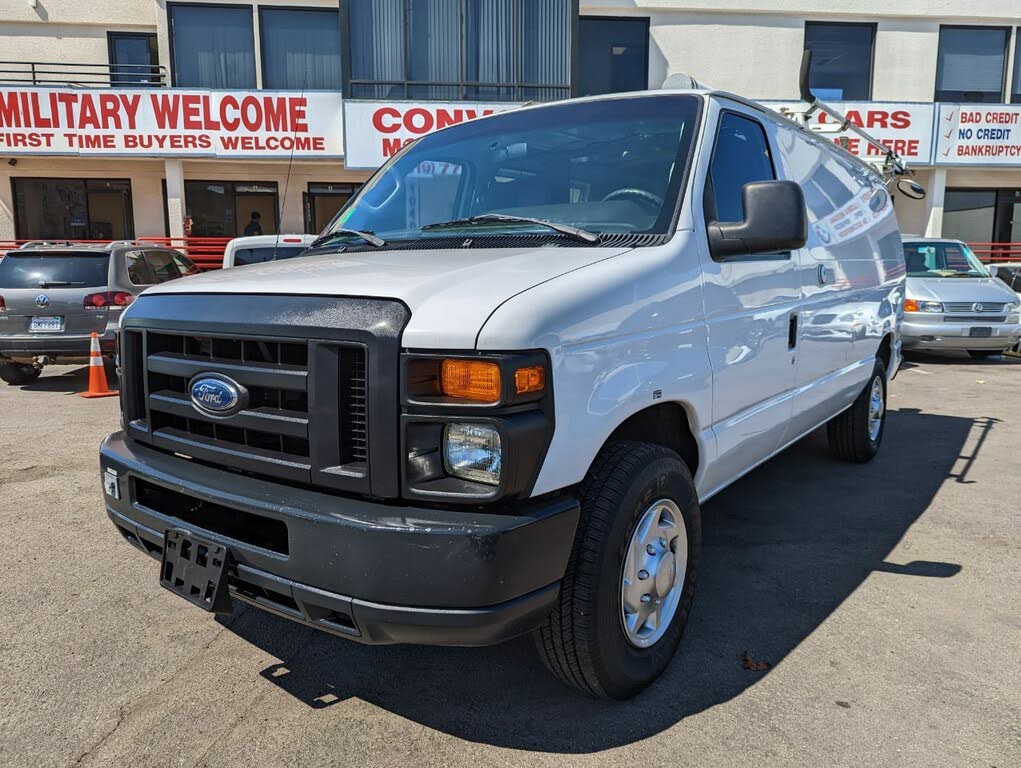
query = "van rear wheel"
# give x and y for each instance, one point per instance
(856, 434)
(630, 580)
(17, 374)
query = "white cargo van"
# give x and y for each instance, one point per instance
(492, 399)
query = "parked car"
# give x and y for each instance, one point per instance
(1008, 273)
(52, 298)
(256, 249)
(492, 399)
(953, 302)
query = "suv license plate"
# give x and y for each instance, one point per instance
(196, 569)
(46, 325)
(980, 332)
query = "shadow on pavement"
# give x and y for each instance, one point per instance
(952, 357)
(783, 548)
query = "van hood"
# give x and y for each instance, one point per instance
(959, 289)
(450, 292)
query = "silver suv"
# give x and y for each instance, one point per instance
(53, 297)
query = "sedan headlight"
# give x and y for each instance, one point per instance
(912, 305)
(472, 452)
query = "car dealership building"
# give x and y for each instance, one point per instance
(137, 118)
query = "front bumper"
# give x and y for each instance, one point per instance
(943, 335)
(373, 572)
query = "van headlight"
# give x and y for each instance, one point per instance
(1012, 309)
(472, 452)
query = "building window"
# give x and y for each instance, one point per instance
(1015, 92)
(613, 55)
(968, 214)
(231, 209)
(499, 50)
(300, 49)
(212, 46)
(841, 60)
(73, 209)
(970, 64)
(134, 59)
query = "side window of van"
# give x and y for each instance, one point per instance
(741, 155)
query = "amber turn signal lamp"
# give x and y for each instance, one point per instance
(471, 379)
(530, 379)
(910, 305)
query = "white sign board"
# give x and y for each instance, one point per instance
(375, 130)
(903, 127)
(163, 122)
(978, 134)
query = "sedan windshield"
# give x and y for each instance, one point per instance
(608, 166)
(948, 259)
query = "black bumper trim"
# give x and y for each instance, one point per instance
(378, 573)
(366, 622)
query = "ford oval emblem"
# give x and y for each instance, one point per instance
(42, 301)
(216, 395)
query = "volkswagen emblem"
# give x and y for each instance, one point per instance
(42, 301)
(217, 395)
(977, 307)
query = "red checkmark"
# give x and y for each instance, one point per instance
(951, 116)
(947, 135)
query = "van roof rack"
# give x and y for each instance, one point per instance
(892, 163)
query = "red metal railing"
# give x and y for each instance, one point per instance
(991, 253)
(206, 252)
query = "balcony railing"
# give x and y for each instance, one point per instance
(48, 73)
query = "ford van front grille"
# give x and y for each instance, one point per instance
(283, 408)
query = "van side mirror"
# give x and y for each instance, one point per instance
(774, 220)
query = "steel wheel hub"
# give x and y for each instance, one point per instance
(652, 579)
(876, 408)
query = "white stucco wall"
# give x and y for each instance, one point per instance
(754, 47)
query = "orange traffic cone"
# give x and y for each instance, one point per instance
(98, 386)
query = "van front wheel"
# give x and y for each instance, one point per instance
(856, 434)
(630, 580)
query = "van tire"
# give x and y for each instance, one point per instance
(849, 433)
(17, 374)
(583, 641)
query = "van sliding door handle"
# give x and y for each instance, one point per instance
(792, 331)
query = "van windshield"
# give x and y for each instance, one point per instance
(942, 260)
(60, 269)
(608, 166)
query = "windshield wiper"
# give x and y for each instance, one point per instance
(58, 283)
(564, 229)
(369, 237)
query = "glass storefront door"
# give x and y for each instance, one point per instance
(73, 209)
(225, 208)
(983, 215)
(322, 201)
